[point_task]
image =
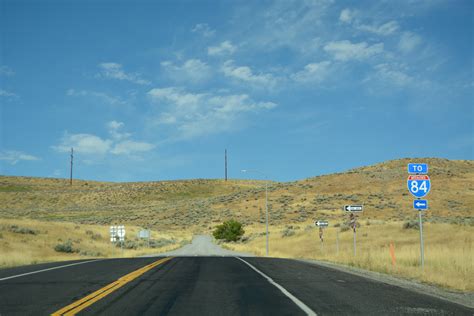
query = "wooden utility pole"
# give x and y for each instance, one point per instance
(225, 165)
(72, 157)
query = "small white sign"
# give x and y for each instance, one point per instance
(322, 223)
(144, 233)
(121, 231)
(353, 208)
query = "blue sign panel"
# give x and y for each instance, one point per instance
(419, 185)
(421, 168)
(420, 204)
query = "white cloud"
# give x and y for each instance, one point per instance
(245, 73)
(129, 147)
(114, 128)
(389, 73)
(346, 15)
(408, 42)
(193, 115)
(345, 50)
(6, 71)
(84, 144)
(203, 29)
(13, 156)
(313, 72)
(193, 70)
(115, 71)
(104, 97)
(7, 94)
(95, 147)
(224, 48)
(355, 18)
(384, 29)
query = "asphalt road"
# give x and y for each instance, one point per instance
(202, 245)
(209, 286)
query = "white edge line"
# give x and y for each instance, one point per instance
(295, 300)
(53, 268)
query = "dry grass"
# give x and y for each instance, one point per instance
(195, 206)
(449, 252)
(31, 241)
(200, 203)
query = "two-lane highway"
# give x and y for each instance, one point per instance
(205, 286)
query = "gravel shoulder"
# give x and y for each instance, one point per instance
(466, 299)
(204, 246)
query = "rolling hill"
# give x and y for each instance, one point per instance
(199, 204)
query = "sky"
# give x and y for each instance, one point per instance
(157, 90)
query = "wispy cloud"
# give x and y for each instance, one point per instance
(104, 97)
(13, 156)
(198, 114)
(84, 144)
(6, 71)
(345, 50)
(385, 29)
(408, 42)
(112, 70)
(96, 147)
(245, 74)
(313, 72)
(193, 70)
(7, 94)
(224, 48)
(390, 74)
(347, 15)
(358, 22)
(203, 29)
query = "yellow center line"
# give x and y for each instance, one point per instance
(90, 299)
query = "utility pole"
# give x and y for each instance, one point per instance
(225, 165)
(72, 158)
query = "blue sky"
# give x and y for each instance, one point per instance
(154, 90)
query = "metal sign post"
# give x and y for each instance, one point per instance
(353, 220)
(121, 235)
(337, 242)
(419, 186)
(321, 225)
(422, 250)
(353, 223)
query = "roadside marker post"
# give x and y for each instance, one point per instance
(321, 225)
(419, 185)
(353, 220)
(121, 235)
(117, 233)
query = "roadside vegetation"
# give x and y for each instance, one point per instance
(230, 230)
(449, 251)
(63, 222)
(25, 242)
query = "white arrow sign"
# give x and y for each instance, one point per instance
(353, 208)
(322, 223)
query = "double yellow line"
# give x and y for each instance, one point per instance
(90, 299)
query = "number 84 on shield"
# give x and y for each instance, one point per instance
(419, 185)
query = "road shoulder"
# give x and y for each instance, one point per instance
(466, 299)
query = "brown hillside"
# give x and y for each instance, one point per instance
(381, 188)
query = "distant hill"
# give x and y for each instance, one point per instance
(201, 203)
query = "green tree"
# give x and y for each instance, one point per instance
(230, 230)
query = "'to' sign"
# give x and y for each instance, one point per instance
(419, 185)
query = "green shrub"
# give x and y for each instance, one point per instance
(229, 231)
(411, 225)
(287, 232)
(65, 247)
(157, 243)
(22, 230)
